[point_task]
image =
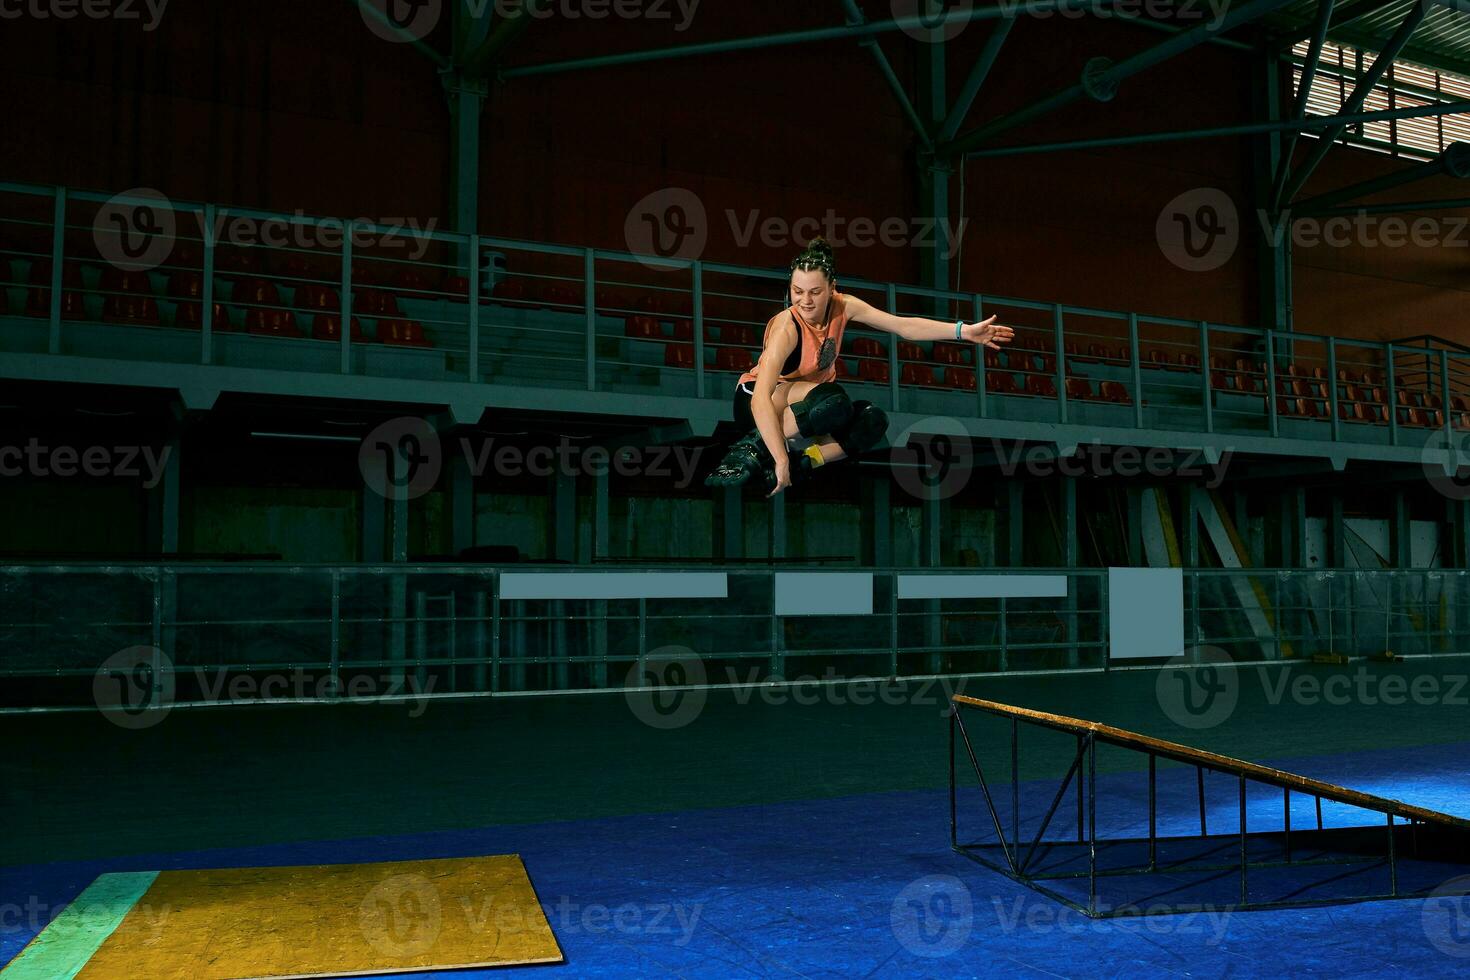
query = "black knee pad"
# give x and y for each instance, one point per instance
(825, 409)
(866, 430)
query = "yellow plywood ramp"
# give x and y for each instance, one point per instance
(323, 921)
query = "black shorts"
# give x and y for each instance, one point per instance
(744, 419)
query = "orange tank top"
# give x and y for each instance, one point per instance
(817, 345)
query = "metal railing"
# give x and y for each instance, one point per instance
(352, 632)
(209, 285)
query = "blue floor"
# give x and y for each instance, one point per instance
(867, 886)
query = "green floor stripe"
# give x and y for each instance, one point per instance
(69, 941)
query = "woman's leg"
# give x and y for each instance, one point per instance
(791, 394)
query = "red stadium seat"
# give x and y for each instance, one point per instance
(683, 330)
(411, 282)
(873, 371)
(130, 310)
(962, 378)
(649, 303)
(38, 296)
(866, 347)
(402, 333)
(1001, 382)
(945, 352)
(314, 296)
(1079, 389)
(375, 303)
(562, 295)
(910, 351)
(1041, 386)
(679, 355)
(733, 359)
(255, 292)
(917, 374)
(1114, 392)
(328, 326)
(190, 316)
(643, 328)
(271, 323)
(185, 284)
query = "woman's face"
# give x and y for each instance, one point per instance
(810, 293)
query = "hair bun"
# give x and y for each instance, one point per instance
(817, 257)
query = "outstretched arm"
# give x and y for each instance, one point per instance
(986, 332)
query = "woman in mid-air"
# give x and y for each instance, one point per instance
(790, 394)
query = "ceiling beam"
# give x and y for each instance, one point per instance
(1100, 77)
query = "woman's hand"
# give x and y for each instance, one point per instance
(987, 333)
(783, 475)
